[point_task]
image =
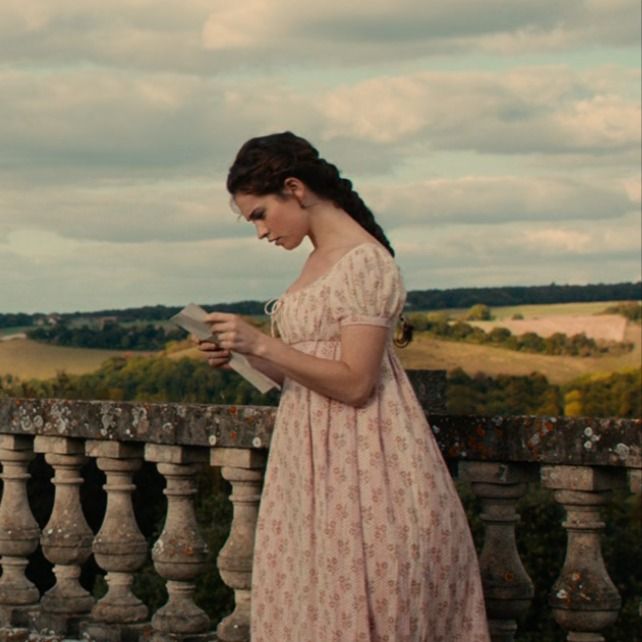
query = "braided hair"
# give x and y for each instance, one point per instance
(264, 163)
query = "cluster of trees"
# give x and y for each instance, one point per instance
(162, 379)
(579, 345)
(141, 378)
(617, 394)
(611, 395)
(113, 336)
(632, 310)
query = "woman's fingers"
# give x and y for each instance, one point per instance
(233, 333)
(208, 346)
(218, 358)
(216, 362)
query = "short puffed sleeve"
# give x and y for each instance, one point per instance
(367, 288)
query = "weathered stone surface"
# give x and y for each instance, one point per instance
(584, 599)
(19, 531)
(66, 539)
(507, 587)
(590, 441)
(119, 547)
(176, 424)
(237, 457)
(581, 458)
(586, 441)
(235, 558)
(161, 454)
(179, 555)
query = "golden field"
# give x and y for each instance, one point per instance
(28, 359)
(425, 352)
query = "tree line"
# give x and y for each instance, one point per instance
(433, 299)
(522, 295)
(111, 336)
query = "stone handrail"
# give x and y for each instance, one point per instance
(581, 459)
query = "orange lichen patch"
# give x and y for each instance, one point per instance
(508, 576)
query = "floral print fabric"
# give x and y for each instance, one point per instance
(361, 535)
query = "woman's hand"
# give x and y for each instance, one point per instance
(233, 333)
(216, 356)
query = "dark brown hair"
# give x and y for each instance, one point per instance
(264, 163)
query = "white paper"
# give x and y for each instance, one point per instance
(192, 318)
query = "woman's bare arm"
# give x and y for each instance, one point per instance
(219, 358)
(349, 379)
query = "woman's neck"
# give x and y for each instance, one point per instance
(331, 227)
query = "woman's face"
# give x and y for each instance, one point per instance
(280, 220)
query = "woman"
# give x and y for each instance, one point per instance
(361, 535)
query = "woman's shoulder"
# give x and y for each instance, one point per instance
(368, 265)
(368, 255)
(371, 250)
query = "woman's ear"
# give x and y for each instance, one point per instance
(296, 189)
(293, 186)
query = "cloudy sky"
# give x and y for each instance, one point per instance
(497, 141)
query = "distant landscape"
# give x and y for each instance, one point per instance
(557, 345)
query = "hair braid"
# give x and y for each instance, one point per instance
(263, 163)
(342, 193)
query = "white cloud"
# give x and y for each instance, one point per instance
(201, 36)
(498, 199)
(118, 122)
(530, 110)
(520, 253)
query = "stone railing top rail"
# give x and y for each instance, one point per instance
(587, 441)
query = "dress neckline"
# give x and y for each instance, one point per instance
(329, 271)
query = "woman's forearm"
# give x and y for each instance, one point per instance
(267, 368)
(333, 378)
(350, 378)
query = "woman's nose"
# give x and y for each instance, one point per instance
(261, 229)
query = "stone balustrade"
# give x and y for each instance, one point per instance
(581, 460)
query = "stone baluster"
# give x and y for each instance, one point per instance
(19, 532)
(119, 546)
(584, 599)
(508, 589)
(244, 469)
(180, 553)
(66, 539)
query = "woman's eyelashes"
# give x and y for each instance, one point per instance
(257, 215)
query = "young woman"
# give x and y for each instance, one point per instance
(361, 535)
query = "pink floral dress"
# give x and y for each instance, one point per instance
(361, 535)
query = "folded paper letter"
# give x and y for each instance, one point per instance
(192, 318)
